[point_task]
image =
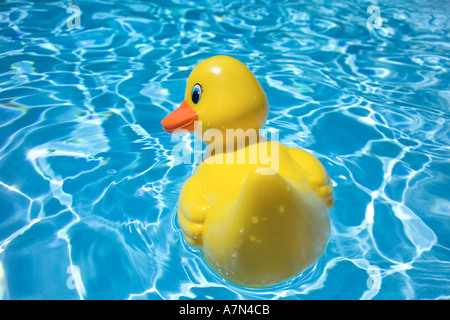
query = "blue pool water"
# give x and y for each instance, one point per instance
(88, 185)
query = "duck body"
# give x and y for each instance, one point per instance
(256, 222)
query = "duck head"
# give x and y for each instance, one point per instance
(221, 93)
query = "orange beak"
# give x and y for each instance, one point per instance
(181, 118)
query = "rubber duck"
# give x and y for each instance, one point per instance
(256, 222)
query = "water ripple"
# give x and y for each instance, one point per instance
(88, 184)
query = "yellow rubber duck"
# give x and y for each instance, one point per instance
(256, 222)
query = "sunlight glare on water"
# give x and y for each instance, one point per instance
(89, 186)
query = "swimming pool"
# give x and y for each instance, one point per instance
(88, 185)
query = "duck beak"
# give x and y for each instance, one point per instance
(181, 118)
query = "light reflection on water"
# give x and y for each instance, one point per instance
(88, 188)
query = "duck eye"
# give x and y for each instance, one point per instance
(196, 93)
